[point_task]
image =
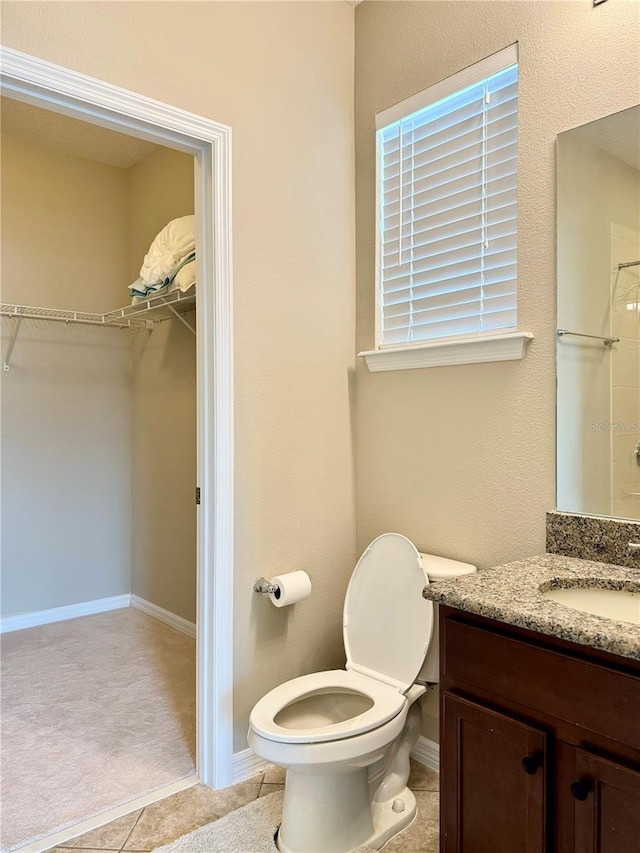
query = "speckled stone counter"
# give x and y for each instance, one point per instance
(512, 594)
(593, 538)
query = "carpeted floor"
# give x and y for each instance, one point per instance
(95, 711)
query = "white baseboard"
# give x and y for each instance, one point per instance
(163, 615)
(247, 764)
(88, 608)
(427, 752)
(58, 838)
(60, 614)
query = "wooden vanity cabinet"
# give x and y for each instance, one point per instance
(604, 810)
(488, 808)
(540, 742)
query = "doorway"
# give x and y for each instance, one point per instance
(42, 84)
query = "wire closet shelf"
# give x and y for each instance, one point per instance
(144, 314)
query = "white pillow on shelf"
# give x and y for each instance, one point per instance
(185, 277)
(176, 240)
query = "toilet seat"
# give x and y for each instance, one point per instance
(386, 703)
(387, 623)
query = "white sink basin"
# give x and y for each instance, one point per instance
(619, 604)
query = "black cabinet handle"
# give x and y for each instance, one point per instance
(530, 763)
(581, 789)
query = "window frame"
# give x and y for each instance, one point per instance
(487, 345)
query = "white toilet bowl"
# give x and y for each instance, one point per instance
(345, 736)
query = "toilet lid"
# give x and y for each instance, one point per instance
(387, 624)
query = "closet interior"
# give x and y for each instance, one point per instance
(98, 470)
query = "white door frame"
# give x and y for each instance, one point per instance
(27, 78)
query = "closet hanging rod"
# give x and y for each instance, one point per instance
(626, 264)
(18, 313)
(38, 314)
(157, 308)
(141, 315)
(607, 341)
(154, 305)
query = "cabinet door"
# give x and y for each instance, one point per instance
(606, 805)
(493, 781)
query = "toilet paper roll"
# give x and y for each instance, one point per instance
(292, 587)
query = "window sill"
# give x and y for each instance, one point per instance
(507, 347)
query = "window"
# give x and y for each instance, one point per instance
(447, 208)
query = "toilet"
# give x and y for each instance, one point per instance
(345, 736)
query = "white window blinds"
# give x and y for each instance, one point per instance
(447, 212)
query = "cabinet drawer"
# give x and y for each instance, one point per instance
(554, 683)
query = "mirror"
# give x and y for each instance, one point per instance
(598, 344)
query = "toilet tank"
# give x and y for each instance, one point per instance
(438, 569)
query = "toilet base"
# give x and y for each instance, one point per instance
(385, 823)
(325, 813)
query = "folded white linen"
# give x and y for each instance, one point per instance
(176, 240)
(183, 280)
(137, 300)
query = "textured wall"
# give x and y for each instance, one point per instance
(281, 74)
(66, 402)
(163, 460)
(64, 229)
(160, 189)
(461, 459)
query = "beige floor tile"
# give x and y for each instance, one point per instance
(88, 849)
(423, 835)
(111, 836)
(268, 788)
(168, 819)
(275, 775)
(423, 778)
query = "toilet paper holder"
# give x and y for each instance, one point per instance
(265, 587)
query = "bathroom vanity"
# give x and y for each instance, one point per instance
(540, 713)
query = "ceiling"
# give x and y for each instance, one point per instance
(618, 135)
(79, 138)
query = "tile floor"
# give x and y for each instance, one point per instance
(168, 819)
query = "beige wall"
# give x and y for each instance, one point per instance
(163, 461)
(160, 189)
(96, 449)
(64, 229)
(66, 406)
(595, 192)
(281, 74)
(461, 459)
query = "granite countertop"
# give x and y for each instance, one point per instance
(511, 594)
